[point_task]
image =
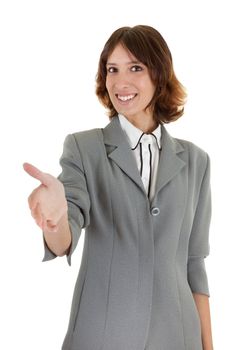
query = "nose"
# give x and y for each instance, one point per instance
(122, 81)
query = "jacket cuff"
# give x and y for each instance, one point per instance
(197, 276)
(75, 220)
(75, 229)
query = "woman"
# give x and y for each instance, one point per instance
(144, 200)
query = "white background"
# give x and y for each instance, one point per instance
(48, 61)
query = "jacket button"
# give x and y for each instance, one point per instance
(155, 211)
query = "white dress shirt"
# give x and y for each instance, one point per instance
(146, 149)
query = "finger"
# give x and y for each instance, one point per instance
(37, 215)
(33, 200)
(44, 178)
(51, 223)
(43, 217)
(38, 218)
(51, 227)
(43, 223)
(48, 227)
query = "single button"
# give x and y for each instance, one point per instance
(155, 211)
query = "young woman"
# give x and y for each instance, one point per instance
(144, 200)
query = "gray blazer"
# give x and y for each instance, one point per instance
(141, 261)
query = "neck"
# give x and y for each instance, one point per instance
(145, 123)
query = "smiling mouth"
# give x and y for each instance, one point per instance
(125, 98)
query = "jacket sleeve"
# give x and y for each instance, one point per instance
(199, 238)
(77, 196)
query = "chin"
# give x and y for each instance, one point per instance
(128, 113)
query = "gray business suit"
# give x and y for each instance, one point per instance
(141, 261)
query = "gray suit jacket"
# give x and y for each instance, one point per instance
(141, 261)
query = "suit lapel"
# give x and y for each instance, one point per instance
(118, 149)
(169, 162)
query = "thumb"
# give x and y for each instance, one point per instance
(37, 174)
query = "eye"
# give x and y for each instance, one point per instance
(111, 70)
(136, 68)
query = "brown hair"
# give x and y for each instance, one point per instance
(149, 47)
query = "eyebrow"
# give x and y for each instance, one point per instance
(115, 64)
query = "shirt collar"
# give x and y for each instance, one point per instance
(134, 134)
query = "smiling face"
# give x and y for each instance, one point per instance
(128, 83)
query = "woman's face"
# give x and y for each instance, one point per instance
(128, 83)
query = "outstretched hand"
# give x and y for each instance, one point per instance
(47, 202)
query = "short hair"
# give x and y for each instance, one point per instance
(149, 47)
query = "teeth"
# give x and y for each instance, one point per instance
(125, 98)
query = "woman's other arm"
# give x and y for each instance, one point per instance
(203, 307)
